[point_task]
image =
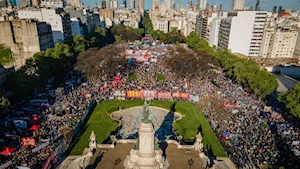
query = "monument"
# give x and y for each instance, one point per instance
(146, 153)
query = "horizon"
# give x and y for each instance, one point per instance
(266, 5)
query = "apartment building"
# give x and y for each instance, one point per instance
(161, 24)
(25, 38)
(241, 32)
(57, 18)
(279, 42)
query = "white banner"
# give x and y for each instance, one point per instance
(40, 147)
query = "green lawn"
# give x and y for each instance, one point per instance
(160, 76)
(132, 76)
(103, 125)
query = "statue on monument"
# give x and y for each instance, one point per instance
(146, 114)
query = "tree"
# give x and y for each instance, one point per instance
(172, 37)
(80, 44)
(6, 55)
(96, 63)
(291, 99)
(189, 63)
(59, 50)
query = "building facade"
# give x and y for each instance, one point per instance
(238, 5)
(57, 18)
(53, 3)
(279, 42)
(162, 25)
(242, 32)
(25, 38)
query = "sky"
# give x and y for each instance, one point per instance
(265, 4)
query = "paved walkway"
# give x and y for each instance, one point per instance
(131, 121)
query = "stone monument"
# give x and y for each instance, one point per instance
(93, 142)
(146, 153)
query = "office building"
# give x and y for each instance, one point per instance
(25, 38)
(140, 5)
(202, 4)
(57, 18)
(242, 32)
(238, 5)
(215, 27)
(132, 4)
(279, 42)
(3, 3)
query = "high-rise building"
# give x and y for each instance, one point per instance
(274, 9)
(238, 5)
(297, 47)
(155, 2)
(279, 42)
(167, 3)
(257, 6)
(3, 3)
(202, 4)
(140, 5)
(25, 38)
(215, 26)
(221, 7)
(103, 4)
(201, 26)
(13, 2)
(125, 3)
(114, 4)
(75, 3)
(57, 18)
(279, 9)
(246, 25)
(132, 4)
(179, 6)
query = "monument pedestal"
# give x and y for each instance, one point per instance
(146, 155)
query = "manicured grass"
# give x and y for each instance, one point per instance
(160, 76)
(132, 76)
(188, 126)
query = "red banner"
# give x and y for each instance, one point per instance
(133, 94)
(28, 142)
(148, 94)
(164, 95)
(47, 165)
(181, 95)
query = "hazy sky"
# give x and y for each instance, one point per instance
(265, 4)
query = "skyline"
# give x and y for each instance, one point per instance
(265, 4)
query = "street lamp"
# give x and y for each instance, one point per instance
(191, 162)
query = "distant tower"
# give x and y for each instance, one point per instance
(274, 9)
(221, 7)
(132, 4)
(207, 6)
(3, 3)
(13, 2)
(125, 3)
(279, 9)
(202, 4)
(179, 6)
(238, 5)
(140, 5)
(257, 5)
(103, 4)
(168, 4)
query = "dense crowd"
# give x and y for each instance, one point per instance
(254, 129)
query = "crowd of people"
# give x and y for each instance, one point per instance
(254, 129)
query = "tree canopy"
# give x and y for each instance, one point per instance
(6, 55)
(189, 63)
(124, 33)
(291, 99)
(244, 72)
(96, 63)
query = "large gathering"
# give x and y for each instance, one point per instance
(39, 130)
